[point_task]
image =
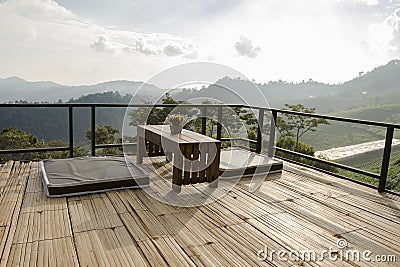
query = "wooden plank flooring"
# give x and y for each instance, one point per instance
(299, 210)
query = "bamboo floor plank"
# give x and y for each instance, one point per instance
(297, 210)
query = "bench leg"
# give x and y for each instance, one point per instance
(176, 188)
(177, 172)
(168, 156)
(213, 184)
(140, 149)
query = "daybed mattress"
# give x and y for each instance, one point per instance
(237, 161)
(76, 176)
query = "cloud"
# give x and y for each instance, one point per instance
(384, 37)
(394, 22)
(141, 45)
(369, 2)
(185, 49)
(103, 45)
(146, 44)
(366, 2)
(61, 24)
(40, 9)
(245, 47)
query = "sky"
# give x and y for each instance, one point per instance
(78, 42)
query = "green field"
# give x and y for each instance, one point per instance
(339, 134)
(374, 165)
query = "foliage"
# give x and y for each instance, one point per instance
(105, 134)
(340, 134)
(296, 126)
(232, 118)
(156, 116)
(38, 122)
(292, 128)
(176, 119)
(291, 144)
(373, 164)
(13, 138)
(104, 97)
(392, 182)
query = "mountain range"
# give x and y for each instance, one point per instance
(378, 86)
(16, 89)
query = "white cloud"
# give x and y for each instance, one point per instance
(146, 44)
(367, 2)
(103, 45)
(144, 47)
(48, 14)
(384, 37)
(40, 9)
(40, 39)
(49, 42)
(245, 47)
(394, 22)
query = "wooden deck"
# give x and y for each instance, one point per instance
(299, 210)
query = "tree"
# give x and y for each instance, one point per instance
(295, 126)
(153, 115)
(13, 138)
(292, 127)
(105, 134)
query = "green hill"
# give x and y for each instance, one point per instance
(339, 134)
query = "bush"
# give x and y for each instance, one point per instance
(303, 148)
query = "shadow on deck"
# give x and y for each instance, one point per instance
(298, 210)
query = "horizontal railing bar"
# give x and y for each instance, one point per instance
(115, 145)
(327, 172)
(334, 164)
(117, 105)
(334, 118)
(108, 145)
(239, 139)
(327, 117)
(27, 150)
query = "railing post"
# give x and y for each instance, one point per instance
(260, 128)
(219, 124)
(71, 131)
(272, 131)
(93, 127)
(386, 159)
(203, 120)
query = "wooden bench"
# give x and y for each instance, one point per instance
(195, 156)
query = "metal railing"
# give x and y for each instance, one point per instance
(203, 111)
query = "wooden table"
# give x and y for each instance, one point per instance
(195, 156)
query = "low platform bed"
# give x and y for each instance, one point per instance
(77, 176)
(237, 161)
